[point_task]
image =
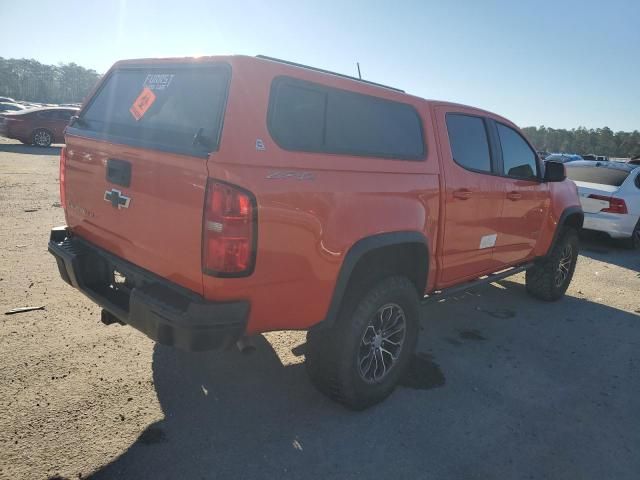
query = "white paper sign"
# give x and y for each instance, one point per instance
(488, 241)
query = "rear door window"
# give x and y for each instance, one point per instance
(518, 158)
(305, 116)
(178, 109)
(469, 142)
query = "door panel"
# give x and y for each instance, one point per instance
(525, 206)
(473, 200)
(526, 198)
(61, 121)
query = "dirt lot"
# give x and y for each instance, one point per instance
(504, 386)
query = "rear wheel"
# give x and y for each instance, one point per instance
(42, 137)
(359, 361)
(550, 277)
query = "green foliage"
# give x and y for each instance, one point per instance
(25, 79)
(599, 141)
(29, 80)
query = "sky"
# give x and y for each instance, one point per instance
(561, 64)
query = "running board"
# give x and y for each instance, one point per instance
(493, 277)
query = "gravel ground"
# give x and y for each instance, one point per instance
(504, 386)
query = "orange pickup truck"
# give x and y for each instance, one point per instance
(211, 199)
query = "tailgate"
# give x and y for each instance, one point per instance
(594, 205)
(136, 168)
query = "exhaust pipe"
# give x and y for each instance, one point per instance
(246, 345)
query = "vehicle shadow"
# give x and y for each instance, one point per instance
(603, 248)
(29, 149)
(516, 395)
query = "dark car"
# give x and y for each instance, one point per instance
(594, 157)
(37, 126)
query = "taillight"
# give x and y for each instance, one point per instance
(616, 205)
(228, 230)
(63, 168)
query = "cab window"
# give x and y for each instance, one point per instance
(519, 160)
(469, 142)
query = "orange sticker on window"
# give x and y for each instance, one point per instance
(142, 103)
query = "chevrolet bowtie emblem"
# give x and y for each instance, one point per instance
(116, 198)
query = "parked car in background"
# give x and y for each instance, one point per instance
(599, 158)
(37, 126)
(563, 157)
(10, 107)
(542, 154)
(610, 197)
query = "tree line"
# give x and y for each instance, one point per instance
(600, 141)
(32, 81)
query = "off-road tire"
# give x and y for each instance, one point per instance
(542, 279)
(333, 354)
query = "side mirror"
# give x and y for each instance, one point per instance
(77, 120)
(554, 172)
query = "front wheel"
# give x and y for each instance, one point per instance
(359, 361)
(42, 138)
(550, 277)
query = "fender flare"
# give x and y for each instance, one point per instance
(353, 256)
(563, 218)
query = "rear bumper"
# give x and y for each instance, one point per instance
(162, 310)
(617, 225)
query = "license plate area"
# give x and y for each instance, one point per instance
(113, 282)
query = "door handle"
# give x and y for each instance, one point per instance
(514, 196)
(462, 194)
